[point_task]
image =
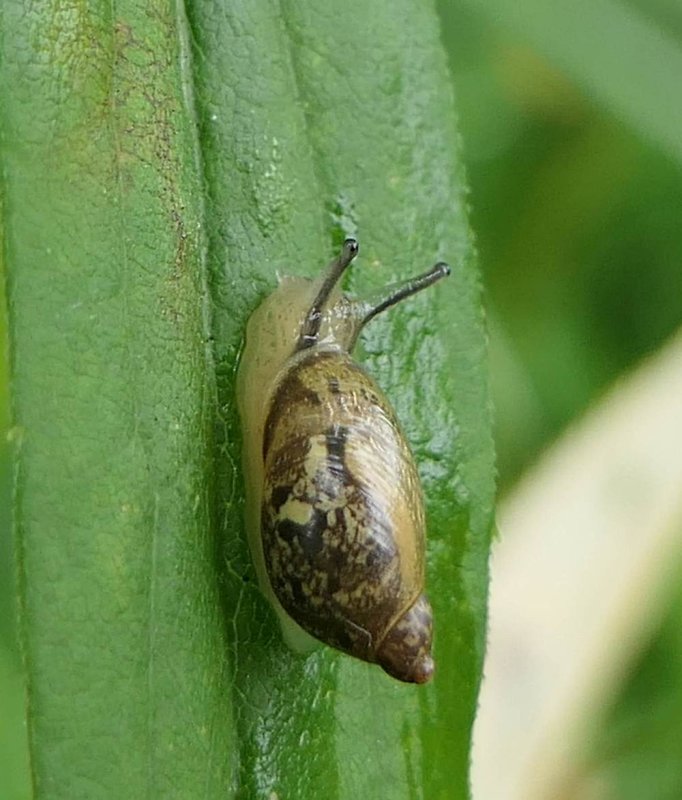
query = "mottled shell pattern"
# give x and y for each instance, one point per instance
(334, 504)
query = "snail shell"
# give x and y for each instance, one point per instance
(334, 504)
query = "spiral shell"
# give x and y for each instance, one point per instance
(334, 504)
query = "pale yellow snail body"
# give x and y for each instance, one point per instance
(335, 512)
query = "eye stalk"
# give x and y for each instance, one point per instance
(399, 291)
(391, 295)
(311, 326)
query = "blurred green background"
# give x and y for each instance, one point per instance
(571, 115)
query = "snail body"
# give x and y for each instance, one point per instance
(335, 512)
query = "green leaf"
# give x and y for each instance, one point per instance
(14, 780)
(155, 667)
(123, 632)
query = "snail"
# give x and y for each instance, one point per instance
(335, 513)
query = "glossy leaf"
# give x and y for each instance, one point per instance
(153, 194)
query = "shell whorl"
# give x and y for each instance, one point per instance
(405, 651)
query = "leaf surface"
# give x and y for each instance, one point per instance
(152, 195)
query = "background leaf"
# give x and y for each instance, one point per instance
(599, 520)
(154, 666)
(576, 210)
(624, 60)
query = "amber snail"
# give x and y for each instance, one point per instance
(335, 512)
